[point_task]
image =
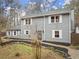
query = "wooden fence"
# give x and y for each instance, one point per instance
(75, 38)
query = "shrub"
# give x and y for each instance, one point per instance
(17, 54)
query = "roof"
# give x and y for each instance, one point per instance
(61, 11)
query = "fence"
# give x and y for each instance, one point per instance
(75, 38)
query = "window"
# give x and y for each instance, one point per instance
(57, 34)
(28, 21)
(9, 32)
(26, 32)
(14, 32)
(55, 19)
(52, 19)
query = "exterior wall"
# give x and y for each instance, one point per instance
(64, 26)
(37, 25)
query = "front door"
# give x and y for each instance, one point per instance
(39, 35)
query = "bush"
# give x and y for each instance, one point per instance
(17, 54)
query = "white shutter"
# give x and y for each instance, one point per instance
(25, 32)
(53, 33)
(7, 33)
(12, 33)
(60, 33)
(49, 18)
(24, 21)
(31, 20)
(60, 19)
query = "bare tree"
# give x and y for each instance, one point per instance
(74, 5)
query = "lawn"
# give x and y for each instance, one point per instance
(24, 51)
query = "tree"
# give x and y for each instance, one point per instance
(74, 5)
(40, 5)
(12, 3)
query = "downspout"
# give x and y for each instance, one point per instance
(44, 27)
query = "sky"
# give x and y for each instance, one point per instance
(58, 3)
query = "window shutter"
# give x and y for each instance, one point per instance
(25, 32)
(31, 20)
(8, 32)
(60, 19)
(53, 33)
(60, 33)
(24, 21)
(49, 18)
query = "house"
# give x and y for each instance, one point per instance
(54, 26)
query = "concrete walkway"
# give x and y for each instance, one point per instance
(72, 52)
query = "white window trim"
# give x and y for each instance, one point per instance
(60, 34)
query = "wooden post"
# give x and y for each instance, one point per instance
(37, 46)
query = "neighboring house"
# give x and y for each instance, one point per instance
(54, 26)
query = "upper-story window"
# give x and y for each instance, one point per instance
(27, 21)
(55, 19)
(52, 19)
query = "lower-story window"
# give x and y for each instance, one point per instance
(26, 32)
(14, 32)
(56, 33)
(17, 32)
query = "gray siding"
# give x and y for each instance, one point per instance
(42, 24)
(64, 26)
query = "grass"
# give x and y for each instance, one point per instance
(24, 51)
(7, 52)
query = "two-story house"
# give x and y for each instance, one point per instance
(54, 26)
